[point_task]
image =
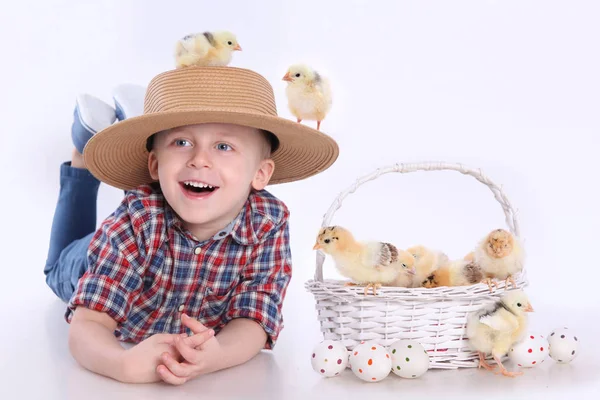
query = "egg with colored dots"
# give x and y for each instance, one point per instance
(329, 358)
(530, 352)
(409, 359)
(370, 362)
(564, 345)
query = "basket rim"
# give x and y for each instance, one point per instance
(334, 288)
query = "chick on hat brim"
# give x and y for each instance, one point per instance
(195, 95)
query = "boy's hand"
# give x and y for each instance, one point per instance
(139, 362)
(200, 354)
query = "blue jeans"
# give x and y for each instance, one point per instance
(73, 227)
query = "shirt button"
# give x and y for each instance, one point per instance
(197, 250)
(181, 308)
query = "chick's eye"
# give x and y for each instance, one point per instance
(327, 240)
(297, 75)
(230, 43)
(518, 304)
(223, 146)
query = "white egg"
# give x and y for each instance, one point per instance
(529, 352)
(329, 358)
(409, 358)
(564, 345)
(370, 362)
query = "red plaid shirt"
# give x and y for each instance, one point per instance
(145, 268)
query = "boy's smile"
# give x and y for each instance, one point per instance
(206, 172)
(197, 189)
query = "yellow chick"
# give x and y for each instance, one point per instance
(500, 255)
(495, 328)
(426, 261)
(206, 49)
(372, 263)
(308, 93)
(454, 273)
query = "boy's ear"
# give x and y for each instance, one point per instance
(153, 165)
(263, 174)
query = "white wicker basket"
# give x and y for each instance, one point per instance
(436, 318)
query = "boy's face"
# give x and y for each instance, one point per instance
(206, 172)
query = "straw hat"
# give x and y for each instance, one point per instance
(118, 156)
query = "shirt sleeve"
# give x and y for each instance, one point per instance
(112, 281)
(265, 279)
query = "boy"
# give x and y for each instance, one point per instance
(193, 266)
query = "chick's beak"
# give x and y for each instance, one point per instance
(317, 246)
(287, 77)
(238, 47)
(412, 271)
(528, 308)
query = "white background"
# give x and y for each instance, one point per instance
(511, 87)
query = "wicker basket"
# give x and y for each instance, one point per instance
(436, 318)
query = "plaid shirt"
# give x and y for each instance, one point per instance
(145, 268)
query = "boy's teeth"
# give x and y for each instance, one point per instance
(198, 184)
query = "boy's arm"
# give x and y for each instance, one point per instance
(104, 297)
(253, 317)
(93, 344)
(259, 296)
(239, 341)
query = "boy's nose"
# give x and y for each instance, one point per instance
(200, 159)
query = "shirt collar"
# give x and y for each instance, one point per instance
(247, 228)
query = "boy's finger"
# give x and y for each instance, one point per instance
(168, 376)
(187, 352)
(165, 338)
(178, 369)
(193, 324)
(199, 338)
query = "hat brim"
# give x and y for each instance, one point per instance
(118, 156)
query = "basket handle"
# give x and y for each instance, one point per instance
(509, 212)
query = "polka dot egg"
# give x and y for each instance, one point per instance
(564, 345)
(529, 352)
(329, 358)
(370, 362)
(409, 359)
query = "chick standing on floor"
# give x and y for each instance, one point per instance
(308, 93)
(208, 49)
(494, 329)
(372, 263)
(500, 255)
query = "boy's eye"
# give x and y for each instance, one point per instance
(223, 146)
(181, 142)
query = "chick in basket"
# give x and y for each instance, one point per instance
(500, 255)
(454, 273)
(495, 328)
(365, 262)
(426, 262)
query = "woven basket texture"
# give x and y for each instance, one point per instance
(436, 317)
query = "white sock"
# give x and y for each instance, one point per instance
(129, 100)
(94, 114)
